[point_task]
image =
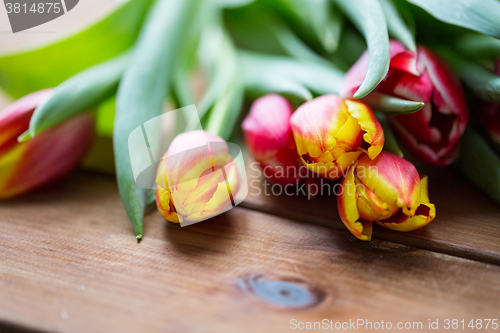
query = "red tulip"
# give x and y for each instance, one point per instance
(47, 157)
(432, 133)
(269, 138)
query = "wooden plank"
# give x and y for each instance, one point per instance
(467, 223)
(70, 263)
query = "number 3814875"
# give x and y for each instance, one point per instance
(36, 8)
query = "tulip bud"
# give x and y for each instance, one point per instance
(489, 114)
(433, 132)
(268, 136)
(197, 178)
(48, 156)
(386, 190)
(331, 133)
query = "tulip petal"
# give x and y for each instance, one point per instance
(189, 156)
(8, 164)
(267, 126)
(405, 61)
(374, 135)
(15, 119)
(424, 214)
(331, 133)
(348, 210)
(165, 205)
(50, 155)
(196, 182)
(268, 136)
(391, 178)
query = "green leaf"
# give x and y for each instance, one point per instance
(232, 3)
(267, 74)
(224, 97)
(142, 92)
(78, 94)
(271, 35)
(397, 26)
(369, 18)
(481, 48)
(477, 43)
(257, 86)
(481, 16)
(292, 44)
(479, 163)
(313, 20)
(391, 143)
(226, 111)
(46, 67)
(483, 83)
(105, 117)
(391, 105)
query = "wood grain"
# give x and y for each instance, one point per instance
(70, 263)
(467, 223)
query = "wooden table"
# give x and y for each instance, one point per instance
(70, 263)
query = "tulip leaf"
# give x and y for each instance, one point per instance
(479, 163)
(78, 94)
(220, 106)
(226, 110)
(46, 67)
(142, 92)
(474, 45)
(483, 83)
(225, 95)
(232, 3)
(369, 18)
(292, 44)
(258, 86)
(313, 20)
(267, 74)
(391, 105)
(397, 26)
(481, 16)
(391, 143)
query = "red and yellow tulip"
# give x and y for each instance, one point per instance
(196, 178)
(432, 133)
(331, 133)
(269, 138)
(47, 157)
(388, 191)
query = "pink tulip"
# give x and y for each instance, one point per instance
(47, 157)
(432, 133)
(268, 135)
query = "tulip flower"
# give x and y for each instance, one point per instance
(489, 114)
(48, 156)
(269, 138)
(196, 180)
(388, 191)
(331, 133)
(432, 133)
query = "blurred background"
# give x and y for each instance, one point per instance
(86, 12)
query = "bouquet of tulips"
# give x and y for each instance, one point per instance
(338, 87)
